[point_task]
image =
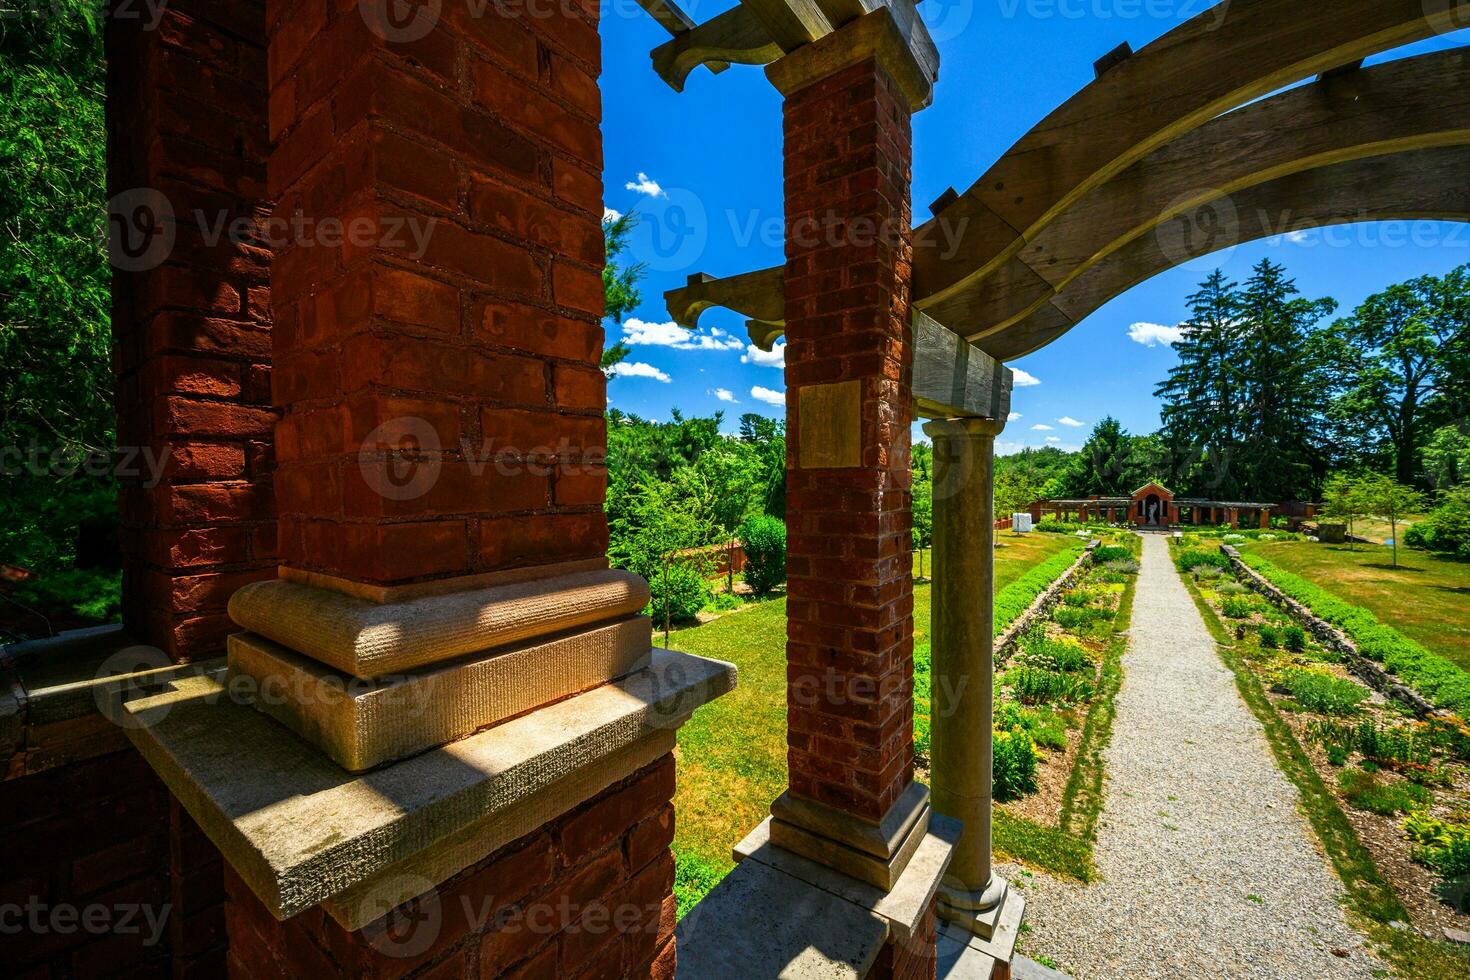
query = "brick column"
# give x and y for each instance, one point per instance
(852, 801)
(186, 121)
(437, 291)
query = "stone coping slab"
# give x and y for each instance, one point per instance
(368, 639)
(299, 830)
(760, 922)
(364, 724)
(902, 907)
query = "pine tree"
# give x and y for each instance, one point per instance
(1281, 455)
(1203, 395)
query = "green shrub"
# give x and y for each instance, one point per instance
(1110, 552)
(1337, 755)
(1294, 638)
(724, 601)
(1054, 654)
(1045, 727)
(1069, 618)
(1376, 742)
(764, 541)
(1120, 566)
(1015, 765)
(1321, 692)
(1363, 791)
(1231, 588)
(1059, 527)
(1191, 558)
(1237, 607)
(1447, 528)
(1443, 845)
(1432, 676)
(1037, 685)
(683, 590)
(1077, 598)
(1269, 640)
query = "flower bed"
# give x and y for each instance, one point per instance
(1401, 781)
(1053, 709)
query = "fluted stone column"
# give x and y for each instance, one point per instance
(963, 665)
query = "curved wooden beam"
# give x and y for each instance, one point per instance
(760, 295)
(1229, 55)
(1395, 107)
(1424, 184)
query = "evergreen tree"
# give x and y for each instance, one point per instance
(1280, 456)
(1203, 397)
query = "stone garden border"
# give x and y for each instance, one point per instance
(1367, 670)
(1041, 606)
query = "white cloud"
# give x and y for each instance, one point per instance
(641, 333)
(1043, 427)
(1297, 237)
(1053, 439)
(1025, 379)
(1069, 421)
(724, 395)
(608, 214)
(636, 369)
(775, 357)
(768, 396)
(1154, 334)
(1013, 416)
(645, 185)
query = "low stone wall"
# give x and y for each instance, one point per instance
(1369, 671)
(1005, 644)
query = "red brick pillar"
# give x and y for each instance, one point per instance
(1265, 519)
(186, 119)
(848, 374)
(437, 289)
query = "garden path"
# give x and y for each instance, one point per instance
(1208, 867)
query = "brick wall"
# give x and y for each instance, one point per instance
(443, 405)
(104, 876)
(588, 895)
(191, 322)
(850, 630)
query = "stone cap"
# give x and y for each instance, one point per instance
(368, 639)
(299, 830)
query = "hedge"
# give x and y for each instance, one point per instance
(1431, 675)
(1016, 598)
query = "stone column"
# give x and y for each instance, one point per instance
(963, 652)
(852, 802)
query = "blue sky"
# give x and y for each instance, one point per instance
(705, 166)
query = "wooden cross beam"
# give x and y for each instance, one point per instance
(759, 32)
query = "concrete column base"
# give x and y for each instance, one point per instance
(993, 931)
(874, 853)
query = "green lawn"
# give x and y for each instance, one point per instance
(1427, 598)
(732, 753)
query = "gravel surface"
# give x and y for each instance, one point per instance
(1208, 868)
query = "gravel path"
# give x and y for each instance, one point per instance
(1208, 868)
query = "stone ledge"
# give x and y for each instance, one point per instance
(300, 831)
(760, 922)
(902, 907)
